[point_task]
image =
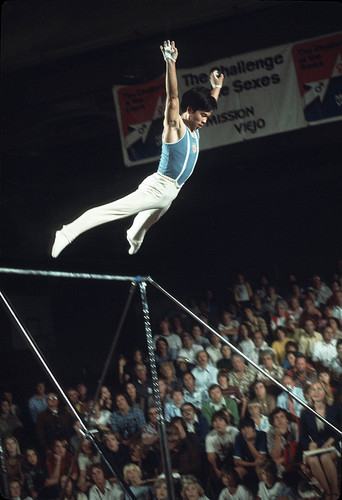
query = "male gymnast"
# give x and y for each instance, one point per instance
(180, 148)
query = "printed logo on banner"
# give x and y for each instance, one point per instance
(318, 66)
(140, 115)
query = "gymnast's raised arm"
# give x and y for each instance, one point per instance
(173, 124)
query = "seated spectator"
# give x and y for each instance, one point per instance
(160, 489)
(133, 478)
(219, 445)
(10, 425)
(68, 490)
(337, 311)
(35, 473)
(324, 351)
(228, 327)
(82, 390)
(163, 352)
(259, 345)
(189, 349)
(315, 434)
(16, 490)
(53, 423)
(137, 400)
(307, 338)
(115, 451)
(291, 347)
(255, 323)
(172, 338)
(98, 419)
(310, 312)
(287, 402)
(14, 408)
(146, 460)
(234, 490)
(195, 422)
(282, 439)
(205, 374)
(173, 409)
(335, 325)
(229, 391)
(261, 422)
(295, 309)
(178, 325)
(74, 399)
(271, 486)
(149, 435)
(192, 490)
(163, 392)
(102, 489)
(244, 340)
(37, 403)
(217, 402)
(259, 394)
(168, 374)
(259, 310)
(271, 300)
(191, 393)
(336, 363)
(58, 462)
(214, 350)
(199, 338)
(126, 420)
(86, 457)
(324, 375)
(281, 315)
(289, 363)
(304, 374)
(242, 376)
(250, 453)
(279, 345)
(242, 290)
(323, 292)
(105, 398)
(126, 367)
(225, 363)
(185, 449)
(182, 366)
(267, 358)
(14, 459)
(142, 381)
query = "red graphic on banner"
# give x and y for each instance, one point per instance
(318, 66)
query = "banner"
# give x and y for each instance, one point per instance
(265, 92)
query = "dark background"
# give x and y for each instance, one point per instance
(267, 205)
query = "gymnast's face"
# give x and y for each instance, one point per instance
(198, 118)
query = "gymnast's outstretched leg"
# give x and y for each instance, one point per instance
(141, 224)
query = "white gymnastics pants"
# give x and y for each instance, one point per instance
(150, 201)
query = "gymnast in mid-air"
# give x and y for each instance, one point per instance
(180, 148)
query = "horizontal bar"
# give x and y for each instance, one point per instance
(64, 274)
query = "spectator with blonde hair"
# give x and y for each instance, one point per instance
(133, 478)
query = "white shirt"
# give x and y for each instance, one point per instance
(112, 492)
(190, 354)
(204, 378)
(214, 354)
(323, 352)
(173, 340)
(241, 494)
(337, 313)
(221, 444)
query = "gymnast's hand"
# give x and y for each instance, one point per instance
(169, 50)
(216, 78)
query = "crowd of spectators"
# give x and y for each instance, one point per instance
(233, 432)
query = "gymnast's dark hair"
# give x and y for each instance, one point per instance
(198, 98)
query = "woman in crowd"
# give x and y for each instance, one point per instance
(267, 358)
(242, 376)
(14, 459)
(136, 400)
(105, 398)
(244, 340)
(126, 368)
(192, 490)
(168, 374)
(164, 352)
(35, 473)
(233, 490)
(232, 392)
(16, 490)
(86, 457)
(127, 420)
(225, 363)
(9, 423)
(271, 487)
(198, 336)
(133, 478)
(279, 345)
(160, 489)
(261, 421)
(58, 462)
(145, 459)
(260, 395)
(98, 419)
(68, 490)
(316, 434)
